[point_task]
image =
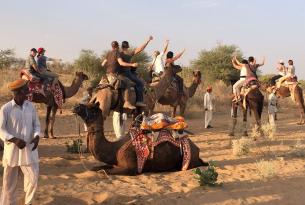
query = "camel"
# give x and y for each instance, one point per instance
(297, 96)
(171, 96)
(120, 156)
(108, 98)
(52, 107)
(254, 102)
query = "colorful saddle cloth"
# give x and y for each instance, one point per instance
(161, 121)
(145, 144)
(35, 86)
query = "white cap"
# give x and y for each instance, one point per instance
(281, 61)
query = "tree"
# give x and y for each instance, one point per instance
(215, 64)
(7, 58)
(89, 63)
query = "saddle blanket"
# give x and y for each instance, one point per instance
(145, 145)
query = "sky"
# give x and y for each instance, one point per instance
(271, 28)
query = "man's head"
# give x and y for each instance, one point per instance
(33, 52)
(281, 61)
(209, 89)
(169, 55)
(19, 89)
(41, 51)
(290, 62)
(244, 61)
(125, 45)
(251, 59)
(114, 45)
(156, 53)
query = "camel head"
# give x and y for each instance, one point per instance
(82, 76)
(89, 113)
(197, 76)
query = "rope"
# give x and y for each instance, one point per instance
(101, 173)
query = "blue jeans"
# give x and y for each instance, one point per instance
(139, 88)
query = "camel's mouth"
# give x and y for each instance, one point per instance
(87, 113)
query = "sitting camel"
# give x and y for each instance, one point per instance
(120, 156)
(50, 100)
(171, 96)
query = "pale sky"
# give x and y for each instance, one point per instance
(274, 28)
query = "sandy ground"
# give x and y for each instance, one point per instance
(65, 178)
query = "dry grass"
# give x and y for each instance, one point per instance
(241, 146)
(7, 76)
(265, 169)
(298, 150)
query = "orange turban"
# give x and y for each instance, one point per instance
(17, 84)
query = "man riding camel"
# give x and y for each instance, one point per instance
(130, 72)
(244, 74)
(253, 66)
(114, 65)
(42, 67)
(289, 75)
(30, 63)
(170, 64)
(157, 66)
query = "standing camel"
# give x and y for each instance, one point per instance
(293, 90)
(254, 102)
(171, 97)
(52, 107)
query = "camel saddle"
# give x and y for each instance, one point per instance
(145, 143)
(250, 84)
(160, 121)
(115, 82)
(36, 85)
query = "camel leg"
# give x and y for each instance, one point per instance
(245, 133)
(174, 111)
(234, 119)
(182, 109)
(53, 114)
(46, 131)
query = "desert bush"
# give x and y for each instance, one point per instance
(268, 131)
(75, 146)
(207, 177)
(241, 146)
(265, 169)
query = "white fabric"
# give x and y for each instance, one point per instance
(159, 64)
(282, 69)
(10, 180)
(291, 71)
(208, 101)
(119, 130)
(23, 123)
(272, 101)
(237, 86)
(244, 71)
(208, 118)
(272, 120)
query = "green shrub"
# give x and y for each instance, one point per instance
(75, 147)
(207, 177)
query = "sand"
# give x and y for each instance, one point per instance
(65, 178)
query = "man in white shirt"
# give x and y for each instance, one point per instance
(208, 107)
(157, 65)
(272, 107)
(19, 130)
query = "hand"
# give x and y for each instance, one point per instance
(18, 142)
(135, 65)
(35, 141)
(150, 38)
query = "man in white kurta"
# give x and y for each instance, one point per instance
(272, 107)
(208, 107)
(19, 130)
